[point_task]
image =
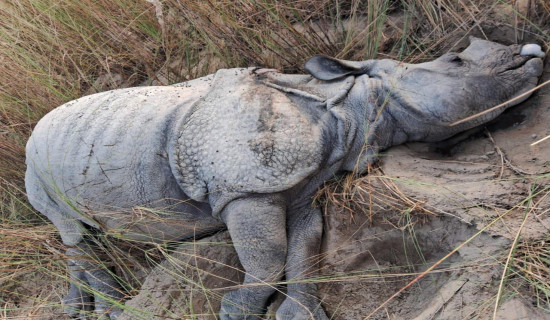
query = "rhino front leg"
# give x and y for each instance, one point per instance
(305, 230)
(258, 231)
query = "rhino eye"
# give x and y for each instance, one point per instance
(455, 59)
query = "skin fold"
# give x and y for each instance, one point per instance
(246, 149)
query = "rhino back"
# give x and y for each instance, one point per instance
(107, 152)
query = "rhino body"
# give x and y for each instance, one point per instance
(246, 149)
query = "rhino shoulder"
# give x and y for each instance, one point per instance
(245, 137)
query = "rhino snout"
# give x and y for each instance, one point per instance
(534, 67)
(532, 50)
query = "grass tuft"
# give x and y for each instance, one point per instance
(532, 263)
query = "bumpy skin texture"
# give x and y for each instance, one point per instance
(246, 149)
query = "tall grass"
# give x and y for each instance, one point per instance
(54, 51)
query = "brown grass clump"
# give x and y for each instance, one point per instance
(27, 245)
(30, 254)
(370, 194)
(532, 263)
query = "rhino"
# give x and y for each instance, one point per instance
(246, 149)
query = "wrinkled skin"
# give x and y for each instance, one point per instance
(246, 150)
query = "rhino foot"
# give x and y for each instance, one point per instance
(301, 309)
(77, 303)
(93, 290)
(234, 306)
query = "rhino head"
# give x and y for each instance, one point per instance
(418, 102)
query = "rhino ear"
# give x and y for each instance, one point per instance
(472, 39)
(327, 68)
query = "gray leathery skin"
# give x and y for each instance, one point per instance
(246, 149)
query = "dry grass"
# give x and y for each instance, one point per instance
(25, 250)
(55, 51)
(370, 194)
(52, 52)
(532, 263)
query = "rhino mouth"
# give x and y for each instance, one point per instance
(516, 63)
(519, 62)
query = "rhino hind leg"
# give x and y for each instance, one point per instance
(90, 283)
(77, 302)
(257, 228)
(92, 287)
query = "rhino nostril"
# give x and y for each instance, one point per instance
(532, 50)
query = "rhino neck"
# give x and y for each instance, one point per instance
(373, 122)
(362, 123)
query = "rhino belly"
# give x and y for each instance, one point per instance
(103, 157)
